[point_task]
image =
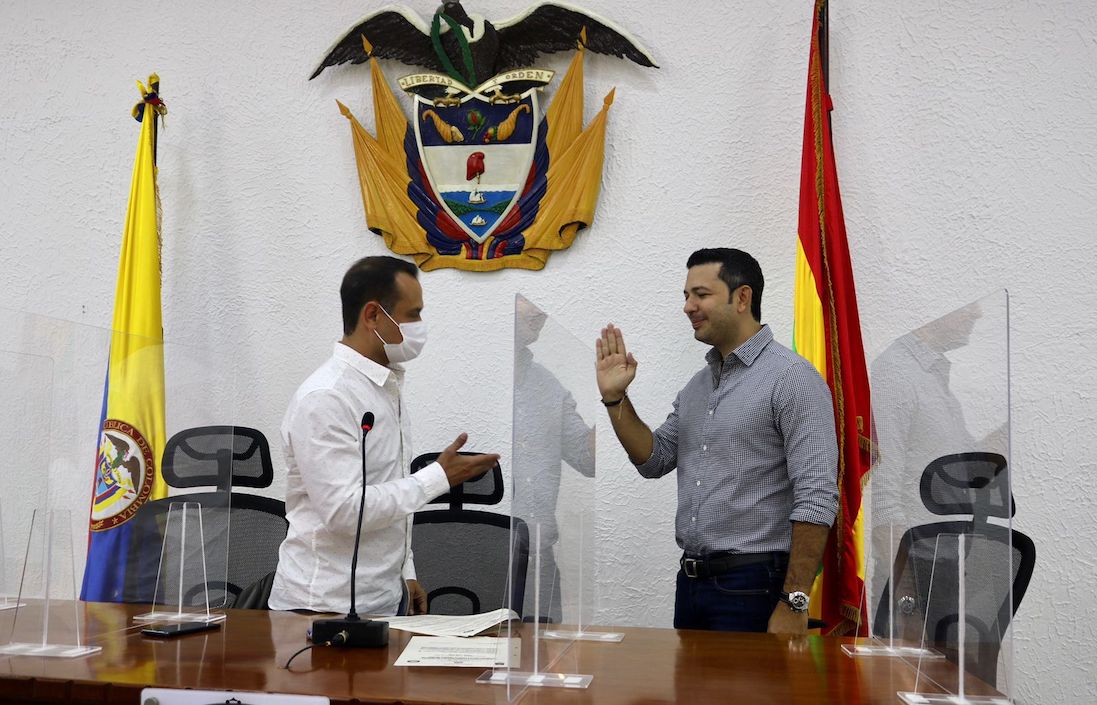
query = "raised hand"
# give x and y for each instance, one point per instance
(615, 366)
(464, 467)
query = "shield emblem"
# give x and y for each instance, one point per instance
(477, 155)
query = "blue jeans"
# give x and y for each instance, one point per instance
(741, 600)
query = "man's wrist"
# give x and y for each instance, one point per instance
(614, 402)
(795, 600)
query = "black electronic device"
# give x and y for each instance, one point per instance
(352, 630)
(179, 629)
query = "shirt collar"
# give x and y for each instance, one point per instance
(747, 353)
(928, 359)
(378, 374)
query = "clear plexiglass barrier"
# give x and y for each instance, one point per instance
(940, 557)
(553, 502)
(88, 412)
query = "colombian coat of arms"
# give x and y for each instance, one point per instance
(484, 175)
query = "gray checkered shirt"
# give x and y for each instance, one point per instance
(752, 437)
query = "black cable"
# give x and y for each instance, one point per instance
(310, 646)
(337, 640)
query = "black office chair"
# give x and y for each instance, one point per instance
(243, 532)
(964, 483)
(462, 555)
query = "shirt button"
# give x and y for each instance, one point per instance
(704, 447)
(698, 483)
(693, 519)
(710, 412)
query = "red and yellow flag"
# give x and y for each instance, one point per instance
(827, 332)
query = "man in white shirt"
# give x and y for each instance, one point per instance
(322, 440)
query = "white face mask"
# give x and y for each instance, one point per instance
(415, 337)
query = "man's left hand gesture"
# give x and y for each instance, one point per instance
(785, 620)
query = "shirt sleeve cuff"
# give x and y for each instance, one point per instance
(433, 480)
(824, 516)
(409, 568)
(652, 464)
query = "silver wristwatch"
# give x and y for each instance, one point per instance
(796, 600)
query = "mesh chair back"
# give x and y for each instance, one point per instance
(918, 568)
(463, 557)
(241, 545)
(218, 456)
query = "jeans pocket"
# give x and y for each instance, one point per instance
(741, 585)
(741, 592)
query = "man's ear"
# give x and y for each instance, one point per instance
(367, 317)
(743, 297)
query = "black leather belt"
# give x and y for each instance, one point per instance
(719, 563)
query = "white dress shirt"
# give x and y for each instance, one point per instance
(321, 438)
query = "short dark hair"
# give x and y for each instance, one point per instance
(371, 279)
(736, 269)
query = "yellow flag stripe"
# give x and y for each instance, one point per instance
(136, 373)
(807, 324)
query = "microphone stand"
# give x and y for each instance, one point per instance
(352, 630)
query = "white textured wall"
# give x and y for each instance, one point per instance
(965, 135)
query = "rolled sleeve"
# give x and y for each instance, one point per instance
(664, 448)
(805, 416)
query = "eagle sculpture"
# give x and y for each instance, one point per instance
(471, 49)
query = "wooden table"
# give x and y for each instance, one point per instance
(649, 666)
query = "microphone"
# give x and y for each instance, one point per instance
(352, 630)
(367, 426)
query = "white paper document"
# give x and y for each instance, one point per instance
(478, 651)
(447, 625)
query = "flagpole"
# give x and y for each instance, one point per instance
(824, 44)
(154, 87)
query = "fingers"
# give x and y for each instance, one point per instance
(458, 442)
(483, 461)
(619, 340)
(611, 342)
(603, 343)
(418, 597)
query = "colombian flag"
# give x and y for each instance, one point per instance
(827, 331)
(132, 426)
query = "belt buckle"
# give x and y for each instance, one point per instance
(690, 567)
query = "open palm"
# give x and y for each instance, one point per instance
(615, 366)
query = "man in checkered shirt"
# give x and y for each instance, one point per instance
(752, 437)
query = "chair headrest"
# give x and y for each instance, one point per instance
(968, 483)
(219, 456)
(486, 489)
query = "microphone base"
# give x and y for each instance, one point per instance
(366, 633)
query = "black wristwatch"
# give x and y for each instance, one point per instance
(796, 600)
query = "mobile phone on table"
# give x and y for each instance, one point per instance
(179, 629)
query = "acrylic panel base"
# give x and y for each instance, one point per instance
(173, 617)
(535, 680)
(48, 650)
(582, 635)
(859, 650)
(941, 699)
